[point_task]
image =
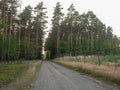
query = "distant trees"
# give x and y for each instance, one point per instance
(25, 22)
(32, 33)
(21, 36)
(39, 24)
(55, 33)
(84, 35)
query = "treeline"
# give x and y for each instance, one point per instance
(80, 34)
(21, 32)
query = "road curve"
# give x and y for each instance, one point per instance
(55, 77)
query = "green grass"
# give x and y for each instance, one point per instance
(113, 58)
(94, 59)
(10, 71)
(107, 58)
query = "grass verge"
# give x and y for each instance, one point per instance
(24, 80)
(92, 73)
(28, 84)
(10, 71)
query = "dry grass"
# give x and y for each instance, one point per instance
(108, 69)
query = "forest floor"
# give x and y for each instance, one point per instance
(107, 71)
(24, 76)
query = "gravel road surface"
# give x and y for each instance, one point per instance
(55, 77)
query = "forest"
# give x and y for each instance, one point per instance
(83, 34)
(22, 33)
(35, 51)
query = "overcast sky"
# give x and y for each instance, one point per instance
(108, 11)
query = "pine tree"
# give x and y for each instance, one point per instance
(53, 44)
(39, 26)
(26, 17)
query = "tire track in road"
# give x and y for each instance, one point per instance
(55, 77)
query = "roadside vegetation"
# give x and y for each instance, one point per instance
(29, 77)
(18, 75)
(108, 71)
(9, 71)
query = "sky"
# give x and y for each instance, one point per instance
(106, 10)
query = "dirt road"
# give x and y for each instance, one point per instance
(55, 77)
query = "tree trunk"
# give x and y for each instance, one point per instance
(19, 42)
(99, 62)
(71, 40)
(58, 41)
(19, 35)
(37, 43)
(3, 28)
(28, 43)
(9, 41)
